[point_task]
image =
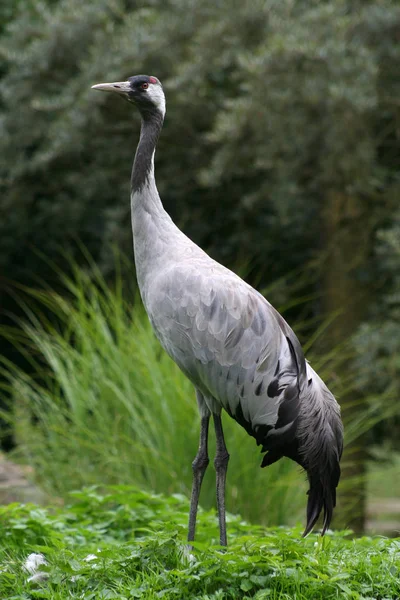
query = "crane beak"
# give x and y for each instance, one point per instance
(119, 87)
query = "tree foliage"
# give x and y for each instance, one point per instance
(270, 106)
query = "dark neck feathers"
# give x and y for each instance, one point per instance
(152, 122)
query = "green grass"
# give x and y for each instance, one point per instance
(138, 543)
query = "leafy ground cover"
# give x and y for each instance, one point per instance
(125, 544)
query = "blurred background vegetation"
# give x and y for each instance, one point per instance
(279, 156)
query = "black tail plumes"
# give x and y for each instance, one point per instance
(315, 442)
(320, 444)
(322, 495)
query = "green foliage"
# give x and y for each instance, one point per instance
(129, 544)
(270, 106)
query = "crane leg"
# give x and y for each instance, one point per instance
(199, 467)
(221, 467)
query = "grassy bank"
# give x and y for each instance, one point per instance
(129, 544)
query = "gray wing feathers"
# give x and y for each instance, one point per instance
(226, 337)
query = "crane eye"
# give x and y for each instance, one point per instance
(144, 86)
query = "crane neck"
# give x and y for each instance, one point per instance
(143, 165)
(154, 232)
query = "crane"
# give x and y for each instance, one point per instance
(236, 349)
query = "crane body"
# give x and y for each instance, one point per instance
(237, 350)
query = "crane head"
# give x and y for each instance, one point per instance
(143, 91)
